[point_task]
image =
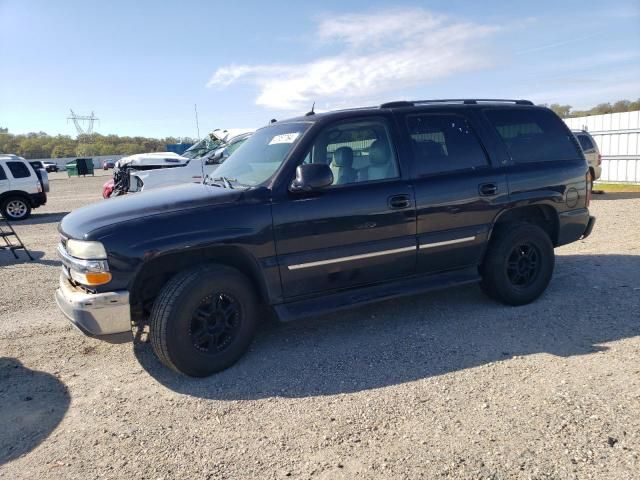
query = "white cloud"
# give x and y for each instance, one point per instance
(381, 53)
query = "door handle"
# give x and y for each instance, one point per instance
(399, 201)
(488, 189)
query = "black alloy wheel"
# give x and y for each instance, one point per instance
(215, 323)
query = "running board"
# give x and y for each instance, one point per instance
(299, 309)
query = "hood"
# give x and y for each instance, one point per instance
(160, 159)
(81, 222)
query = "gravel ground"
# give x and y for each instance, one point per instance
(444, 385)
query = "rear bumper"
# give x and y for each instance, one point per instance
(102, 315)
(590, 224)
(38, 199)
(574, 225)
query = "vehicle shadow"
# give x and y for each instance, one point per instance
(39, 218)
(32, 404)
(604, 195)
(7, 258)
(591, 300)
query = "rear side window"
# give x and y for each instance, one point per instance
(3, 176)
(18, 170)
(443, 143)
(585, 142)
(533, 135)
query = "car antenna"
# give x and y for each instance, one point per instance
(311, 112)
(273, 120)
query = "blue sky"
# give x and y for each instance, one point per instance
(141, 66)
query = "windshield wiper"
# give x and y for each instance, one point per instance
(226, 181)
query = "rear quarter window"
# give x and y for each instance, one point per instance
(3, 176)
(533, 135)
(18, 170)
(585, 142)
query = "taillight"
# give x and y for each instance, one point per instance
(589, 185)
(599, 159)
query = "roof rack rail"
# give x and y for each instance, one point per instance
(465, 101)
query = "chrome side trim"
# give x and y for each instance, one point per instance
(350, 258)
(447, 242)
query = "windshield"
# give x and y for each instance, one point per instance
(257, 159)
(202, 147)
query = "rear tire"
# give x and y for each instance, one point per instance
(15, 208)
(203, 320)
(518, 265)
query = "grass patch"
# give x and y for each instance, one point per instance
(616, 187)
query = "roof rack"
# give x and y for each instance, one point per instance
(465, 101)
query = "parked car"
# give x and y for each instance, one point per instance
(41, 173)
(193, 171)
(126, 168)
(591, 153)
(108, 164)
(50, 166)
(21, 188)
(325, 212)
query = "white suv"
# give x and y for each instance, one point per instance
(591, 153)
(21, 189)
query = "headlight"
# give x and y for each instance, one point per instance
(86, 250)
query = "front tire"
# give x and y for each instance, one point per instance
(518, 265)
(203, 320)
(15, 208)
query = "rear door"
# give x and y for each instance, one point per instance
(458, 190)
(361, 230)
(4, 181)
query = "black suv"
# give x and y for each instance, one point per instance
(328, 211)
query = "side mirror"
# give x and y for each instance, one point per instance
(311, 177)
(217, 157)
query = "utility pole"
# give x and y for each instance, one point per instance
(195, 108)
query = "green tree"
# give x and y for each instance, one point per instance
(561, 110)
(63, 150)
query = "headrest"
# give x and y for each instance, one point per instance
(379, 153)
(343, 157)
(431, 149)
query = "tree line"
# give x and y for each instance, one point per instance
(41, 145)
(567, 111)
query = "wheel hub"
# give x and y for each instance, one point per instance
(523, 265)
(16, 208)
(215, 323)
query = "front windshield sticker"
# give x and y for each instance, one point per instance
(284, 138)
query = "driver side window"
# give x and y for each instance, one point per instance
(356, 152)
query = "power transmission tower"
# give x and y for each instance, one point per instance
(78, 121)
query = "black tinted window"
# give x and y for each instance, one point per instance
(443, 143)
(585, 142)
(533, 135)
(3, 176)
(18, 169)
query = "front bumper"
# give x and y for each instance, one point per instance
(103, 315)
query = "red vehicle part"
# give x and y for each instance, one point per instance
(107, 189)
